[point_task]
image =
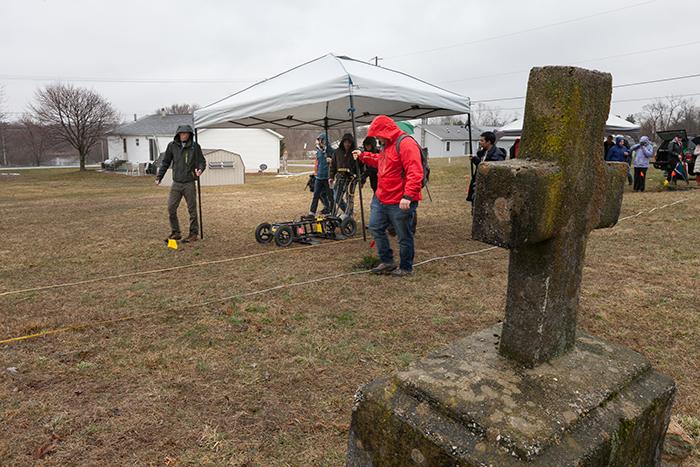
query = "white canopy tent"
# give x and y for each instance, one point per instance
(613, 125)
(327, 92)
(322, 93)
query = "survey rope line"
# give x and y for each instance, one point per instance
(184, 266)
(80, 326)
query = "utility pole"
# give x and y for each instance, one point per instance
(376, 60)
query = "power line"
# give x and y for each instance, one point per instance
(638, 52)
(626, 85)
(614, 101)
(523, 31)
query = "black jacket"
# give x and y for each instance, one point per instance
(184, 158)
(343, 161)
(493, 154)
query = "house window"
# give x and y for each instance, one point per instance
(124, 144)
(447, 146)
(137, 141)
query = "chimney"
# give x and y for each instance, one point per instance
(162, 112)
(134, 117)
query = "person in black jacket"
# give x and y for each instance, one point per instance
(343, 173)
(188, 163)
(488, 152)
(370, 145)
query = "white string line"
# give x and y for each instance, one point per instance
(184, 266)
(219, 300)
(237, 258)
(297, 284)
(653, 209)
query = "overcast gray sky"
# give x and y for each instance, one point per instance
(142, 55)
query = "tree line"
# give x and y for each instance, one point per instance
(64, 119)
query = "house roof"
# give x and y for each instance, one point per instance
(450, 132)
(153, 125)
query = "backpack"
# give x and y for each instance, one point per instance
(423, 159)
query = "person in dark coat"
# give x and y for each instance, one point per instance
(188, 163)
(607, 145)
(343, 174)
(675, 155)
(488, 152)
(370, 145)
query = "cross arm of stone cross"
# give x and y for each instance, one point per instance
(543, 206)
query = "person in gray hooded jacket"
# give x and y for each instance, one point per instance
(188, 163)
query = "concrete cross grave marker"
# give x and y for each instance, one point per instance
(543, 205)
(533, 391)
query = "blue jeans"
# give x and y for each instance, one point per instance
(323, 192)
(384, 215)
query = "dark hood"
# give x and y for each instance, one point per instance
(184, 129)
(347, 137)
(371, 142)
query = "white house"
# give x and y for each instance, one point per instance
(142, 140)
(447, 140)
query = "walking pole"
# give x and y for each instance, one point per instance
(357, 165)
(199, 197)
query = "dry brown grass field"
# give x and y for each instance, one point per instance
(189, 378)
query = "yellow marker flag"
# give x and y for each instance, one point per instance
(172, 244)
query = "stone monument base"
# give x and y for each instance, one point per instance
(600, 404)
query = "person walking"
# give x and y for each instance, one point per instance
(320, 187)
(399, 185)
(643, 151)
(188, 163)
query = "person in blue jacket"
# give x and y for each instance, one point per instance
(619, 152)
(321, 188)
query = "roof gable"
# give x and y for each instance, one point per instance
(153, 125)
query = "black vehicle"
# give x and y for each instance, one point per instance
(663, 154)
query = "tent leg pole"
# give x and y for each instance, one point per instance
(357, 169)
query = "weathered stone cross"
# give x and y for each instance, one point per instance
(543, 206)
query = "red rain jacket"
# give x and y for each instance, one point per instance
(398, 177)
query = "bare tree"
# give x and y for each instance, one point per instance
(80, 116)
(179, 109)
(490, 117)
(37, 137)
(669, 114)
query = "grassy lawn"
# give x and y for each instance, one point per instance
(269, 379)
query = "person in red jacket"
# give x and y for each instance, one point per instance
(399, 185)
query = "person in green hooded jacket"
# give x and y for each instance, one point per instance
(188, 163)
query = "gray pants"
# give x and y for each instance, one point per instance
(177, 191)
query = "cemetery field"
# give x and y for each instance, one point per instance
(172, 368)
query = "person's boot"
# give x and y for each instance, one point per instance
(401, 273)
(174, 236)
(193, 237)
(384, 268)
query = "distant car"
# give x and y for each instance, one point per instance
(112, 164)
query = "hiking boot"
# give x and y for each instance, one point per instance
(174, 236)
(383, 268)
(193, 237)
(401, 273)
